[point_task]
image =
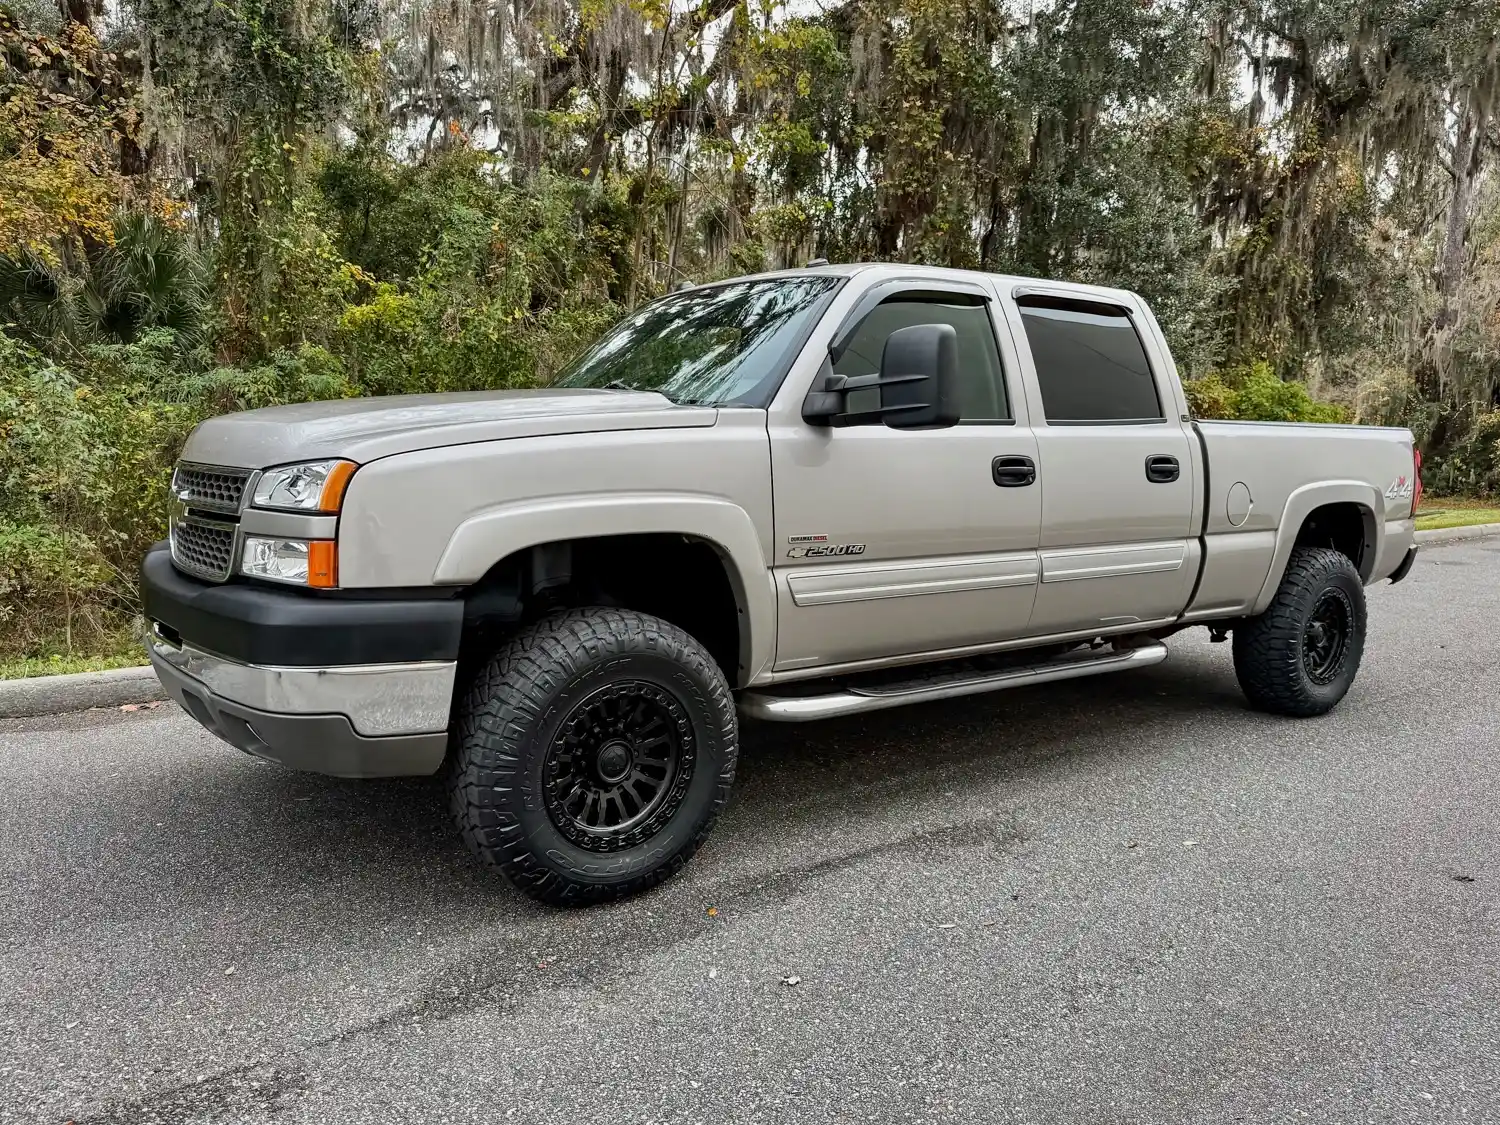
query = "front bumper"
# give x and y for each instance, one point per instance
(353, 688)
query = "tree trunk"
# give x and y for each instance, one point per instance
(78, 11)
(1467, 151)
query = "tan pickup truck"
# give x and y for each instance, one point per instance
(790, 496)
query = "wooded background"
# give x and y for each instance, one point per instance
(213, 204)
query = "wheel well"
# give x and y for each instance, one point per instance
(1347, 527)
(678, 578)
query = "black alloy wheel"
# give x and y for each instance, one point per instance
(1325, 640)
(619, 766)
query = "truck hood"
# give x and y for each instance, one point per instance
(366, 429)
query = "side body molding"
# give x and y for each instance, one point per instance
(489, 536)
(1300, 504)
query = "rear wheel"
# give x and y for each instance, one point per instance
(592, 755)
(1300, 657)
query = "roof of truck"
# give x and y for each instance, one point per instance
(904, 269)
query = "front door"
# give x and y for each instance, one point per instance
(1115, 467)
(893, 543)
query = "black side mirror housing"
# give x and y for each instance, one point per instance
(918, 384)
(919, 377)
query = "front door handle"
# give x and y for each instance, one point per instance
(1162, 469)
(1013, 472)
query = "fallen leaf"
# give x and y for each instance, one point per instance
(713, 911)
(1132, 843)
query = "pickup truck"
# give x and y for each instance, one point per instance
(789, 496)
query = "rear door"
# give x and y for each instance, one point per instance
(1114, 462)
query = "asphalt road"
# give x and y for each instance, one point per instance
(1127, 899)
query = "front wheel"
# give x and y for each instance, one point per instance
(592, 755)
(1300, 656)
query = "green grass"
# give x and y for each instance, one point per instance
(61, 665)
(1442, 514)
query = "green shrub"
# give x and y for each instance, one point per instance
(1471, 466)
(1256, 394)
(85, 459)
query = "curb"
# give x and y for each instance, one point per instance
(1457, 534)
(57, 695)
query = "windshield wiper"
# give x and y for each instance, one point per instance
(621, 385)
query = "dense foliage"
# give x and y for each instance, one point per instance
(213, 204)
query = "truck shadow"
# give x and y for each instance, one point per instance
(364, 856)
(789, 775)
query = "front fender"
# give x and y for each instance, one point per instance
(1300, 504)
(486, 537)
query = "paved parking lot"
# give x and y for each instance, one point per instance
(1118, 900)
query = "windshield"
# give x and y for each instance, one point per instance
(718, 344)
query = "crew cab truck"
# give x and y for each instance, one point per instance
(789, 496)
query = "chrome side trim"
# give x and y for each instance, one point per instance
(378, 699)
(1112, 562)
(877, 581)
(805, 709)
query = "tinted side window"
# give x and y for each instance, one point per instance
(981, 385)
(1089, 362)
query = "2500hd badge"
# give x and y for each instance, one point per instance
(825, 550)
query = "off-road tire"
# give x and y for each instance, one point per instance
(523, 702)
(1271, 652)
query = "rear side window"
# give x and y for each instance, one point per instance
(981, 383)
(1090, 362)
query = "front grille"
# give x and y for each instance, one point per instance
(213, 487)
(203, 549)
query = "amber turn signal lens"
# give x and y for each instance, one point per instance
(337, 481)
(323, 563)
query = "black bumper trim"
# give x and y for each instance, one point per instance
(1405, 568)
(255, 625)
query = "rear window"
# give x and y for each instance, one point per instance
(1090, 362)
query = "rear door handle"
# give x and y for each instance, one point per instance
(1013, 472)
(1162, 469)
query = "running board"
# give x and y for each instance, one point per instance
(778, 708)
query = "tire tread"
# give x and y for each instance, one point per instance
(1267, 649)
(508, 696)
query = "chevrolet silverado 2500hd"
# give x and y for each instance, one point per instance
(796, 495)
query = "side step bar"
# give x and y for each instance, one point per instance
(854, 700)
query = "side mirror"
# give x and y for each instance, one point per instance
(918, 384)
(919, 377)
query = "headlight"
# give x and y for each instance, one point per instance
(302, 562)
(317, 486)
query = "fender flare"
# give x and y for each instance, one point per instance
(486, 537)
(1299, 505)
